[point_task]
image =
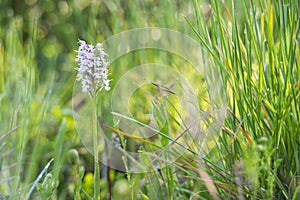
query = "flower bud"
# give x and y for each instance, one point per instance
(73, 156)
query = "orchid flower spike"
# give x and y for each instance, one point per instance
(92, 68)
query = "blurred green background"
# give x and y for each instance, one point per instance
(38, 39)
(50, 31)
(255, 45)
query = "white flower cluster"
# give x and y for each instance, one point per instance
(92, 70)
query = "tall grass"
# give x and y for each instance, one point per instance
(259, 62)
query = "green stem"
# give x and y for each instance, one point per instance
(77, 189)
(96, 160)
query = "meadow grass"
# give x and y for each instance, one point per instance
(253, 45)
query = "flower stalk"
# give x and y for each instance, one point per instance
(96, 158)
(93, 75)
